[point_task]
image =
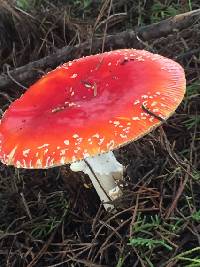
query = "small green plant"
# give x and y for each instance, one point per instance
(143, 226)
(56, 208)
(161, 11)
(193, 88)
(196, 173)
(120, 262)
(191, 256)
(87, 3)
(148, 242)
(192, 121)
(28, 4)
(80, 3)
(150, 233)
(44, 228)
(196, 216)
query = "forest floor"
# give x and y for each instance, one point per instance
(54, 217)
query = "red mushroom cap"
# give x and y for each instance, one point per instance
(90, 106)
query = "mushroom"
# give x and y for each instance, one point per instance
(84, 109)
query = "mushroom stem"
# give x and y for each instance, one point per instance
(104, 170)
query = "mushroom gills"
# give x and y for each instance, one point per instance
(104, 171)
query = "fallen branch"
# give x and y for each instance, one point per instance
(124, 39)
(165, 27)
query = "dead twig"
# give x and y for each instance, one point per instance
(106, 27)
(26, 206)
(178, 195)
(165, 27)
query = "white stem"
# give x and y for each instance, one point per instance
(104, 170)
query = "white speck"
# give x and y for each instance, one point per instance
(155, 110)
(72, 93)
(62, 160)
(87, 84)
(72, 104)
(65, 66)
(136, 102)
(51, 162)
(163, 105)
(58, 147)
(47, 162)
(24, 163)
(126, 130)
(151, 119)
(144, 104)
(25, 152)
(144, 114)
(86, 155)
(10, 156)
(30, 164)
(111, 144)
(45, 145)
(123, 136)
(39, 163)
(18, 164)
(4, 157)
(79, 140)
(73, 158)
(118, 61)
(75, 136)
(66, 142)
(116, 123)
(135, 118)
(45, 151)
(74, 75)
(157, 93)
(62, 152)
(140, 58)
(109, 64)
(154, 103)
(101, 141)
(96, 135)
(144, 96)
(161, 116)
